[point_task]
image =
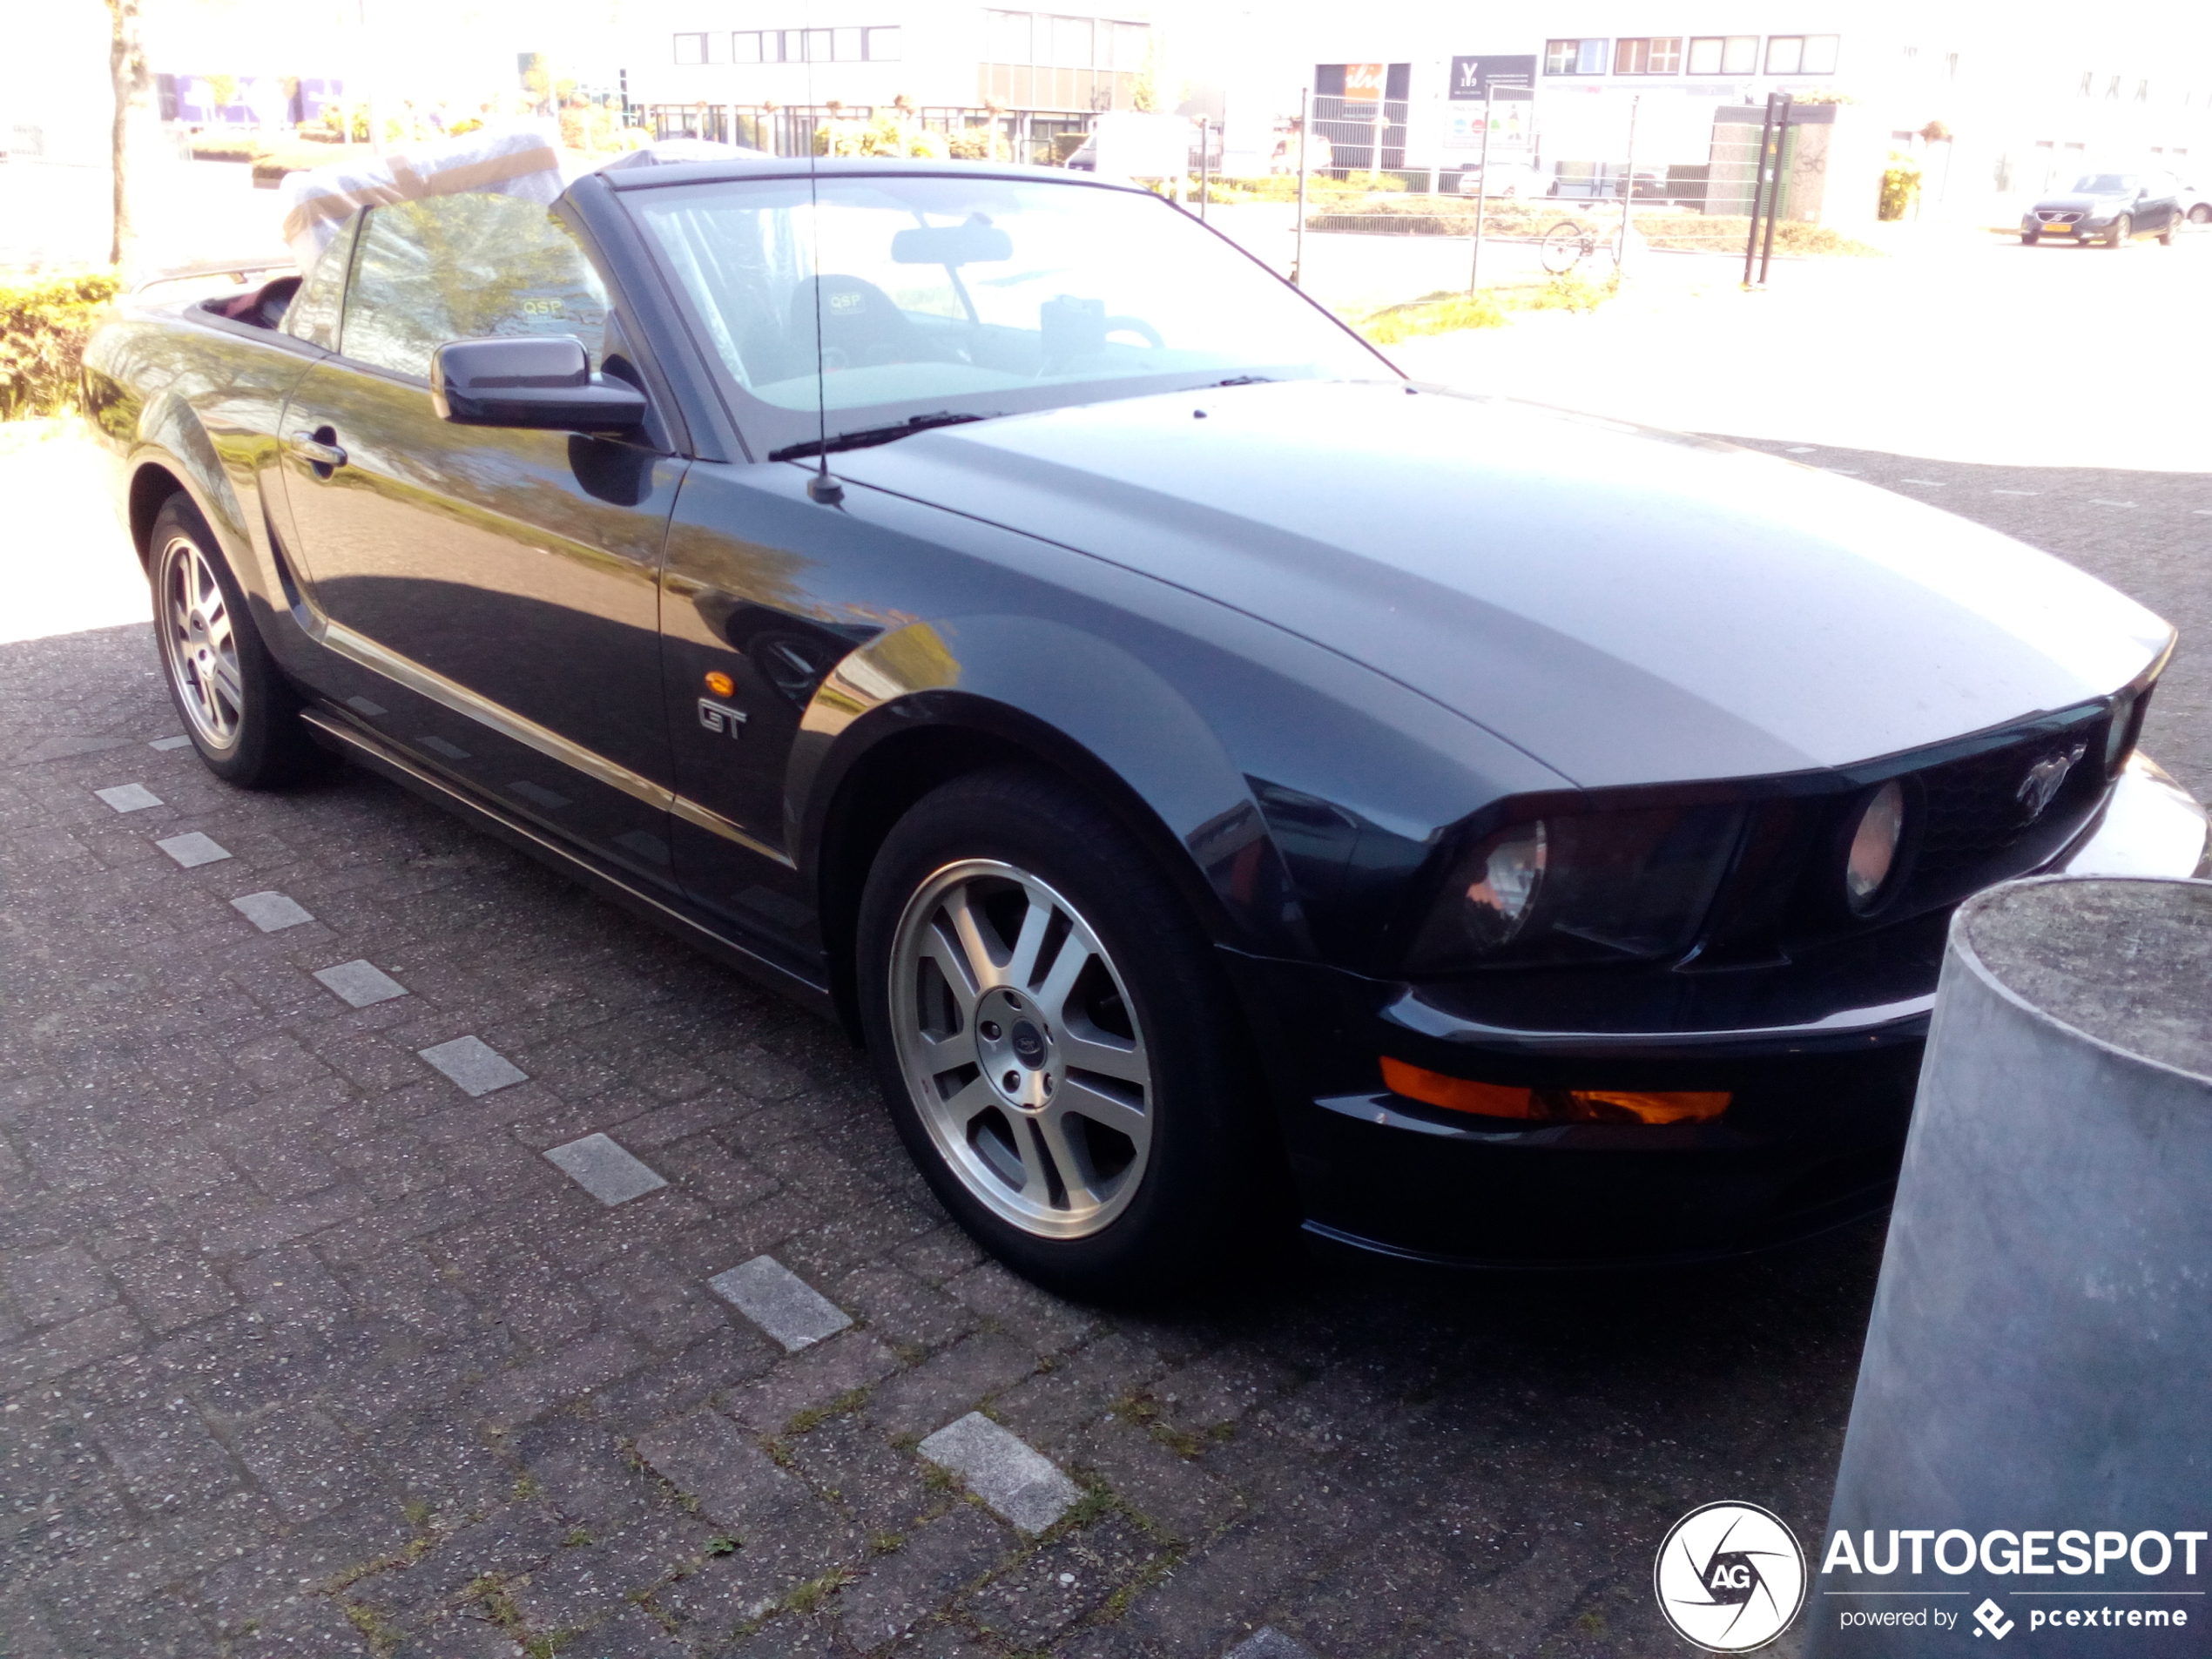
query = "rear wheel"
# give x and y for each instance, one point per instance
(1054, 1041)
(1564, 247)
(241, 713)
(2123, 229)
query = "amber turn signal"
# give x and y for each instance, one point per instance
(1552, 1105)
(720, 684)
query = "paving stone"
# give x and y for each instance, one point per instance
(128, 798)
(1002, 1471)
(780, 1303)
(902, 1588)
(50, 1284)
(473, 1065)
(360, 984)
(599, 1166)
(850, 1360)
(173, 1288)
(166, 744)
(193, 849)
(1038, 1598)
(950, 1382)
(272, 911)
(708, 1458)
(1268, 1643)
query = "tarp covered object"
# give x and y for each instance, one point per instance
(521, 161)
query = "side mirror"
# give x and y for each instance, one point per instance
(543, 383)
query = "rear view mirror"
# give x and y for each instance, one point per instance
(543, 383)
(973, 243)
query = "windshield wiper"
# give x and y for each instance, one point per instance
(866, 437)
(1241, 379)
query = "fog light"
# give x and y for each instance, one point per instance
(1873, 846)
(1553, 1105)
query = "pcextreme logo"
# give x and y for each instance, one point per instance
(1729, 1577)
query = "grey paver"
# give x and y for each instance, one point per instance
(1268, 1643)
(1001, 1470)
(271, 912)
(779, 1302)
(167, 744)
(192, 849)
(473, 1065)
(128, 798)
(361, 983)
(601, 1168)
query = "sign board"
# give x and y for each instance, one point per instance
(1363, 83)
(1472, 77)
(1513, 136)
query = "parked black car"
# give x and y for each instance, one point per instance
(2113, 208)
(1221, 780)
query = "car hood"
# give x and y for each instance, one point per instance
(2079, 204)
(1626, 605)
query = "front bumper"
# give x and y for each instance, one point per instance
(1823, 1086)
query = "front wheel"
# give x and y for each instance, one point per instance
(241, 713)
(1564, 247)
(1055, 1043)
(2123, 229)
(2030, 238)
(2201, 214)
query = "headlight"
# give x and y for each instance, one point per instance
(1873, 846)
(1580, 886)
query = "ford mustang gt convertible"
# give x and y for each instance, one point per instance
(1222, 783)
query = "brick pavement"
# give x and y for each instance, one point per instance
(307, 1347)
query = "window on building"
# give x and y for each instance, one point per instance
(846, 47)
(1661, 55)
(882, 45)
(1724, 55)
(1821, 51)
(745, 48)
(1574, 58)
(1131, 40)
(1073, 43)
(1785, 54)
(691, 49)
(1006, 37)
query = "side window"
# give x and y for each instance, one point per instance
(467, 267)
(313, 315)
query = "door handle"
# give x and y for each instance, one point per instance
(310, 446)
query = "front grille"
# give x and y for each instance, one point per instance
(1974, 827)
(2058, 218)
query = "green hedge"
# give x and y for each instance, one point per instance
(44, 321)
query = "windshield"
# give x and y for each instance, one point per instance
(2105, 184)
(980, 296)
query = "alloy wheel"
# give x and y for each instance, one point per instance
(199, 644)
(1020, 1049)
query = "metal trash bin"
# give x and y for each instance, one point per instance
(2037, 1380)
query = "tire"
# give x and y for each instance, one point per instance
(2201, 214)
(1089, 1119)
(2165, 237)
(1563, 247)
(2122, 231)
(241, 712)
(2030, 238)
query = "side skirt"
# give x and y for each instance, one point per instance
(335, 733)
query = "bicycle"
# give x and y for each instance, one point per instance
(1566, 246)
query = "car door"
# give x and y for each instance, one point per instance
(497, 587)
(2162, 210)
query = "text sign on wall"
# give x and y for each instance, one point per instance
(1363, 83)
(1472, 78)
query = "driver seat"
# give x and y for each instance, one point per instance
(861, 326)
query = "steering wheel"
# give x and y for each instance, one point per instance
(1134, 326)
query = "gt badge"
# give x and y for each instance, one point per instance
(2045, 779)
(720, 717)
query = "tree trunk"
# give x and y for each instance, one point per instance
(126, 60)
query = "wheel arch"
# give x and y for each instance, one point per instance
(174, 453)
(874, 742)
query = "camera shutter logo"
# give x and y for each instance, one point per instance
(1729, 1577)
